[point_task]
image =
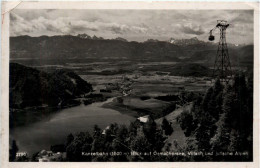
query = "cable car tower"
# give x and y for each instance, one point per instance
(222, 66)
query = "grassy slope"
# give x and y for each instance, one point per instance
(178, 134)
(135, 107)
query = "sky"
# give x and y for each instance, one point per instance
(133, 25)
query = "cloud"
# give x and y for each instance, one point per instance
(122, 29)
(192, 29)
(243, 17)
(21, 28)
(68, 25)
(132, 24)
(61, 25)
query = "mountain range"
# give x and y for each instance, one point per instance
(82, 47)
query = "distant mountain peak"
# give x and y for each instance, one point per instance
(172, 40)
(152, 40)
(193, 40)
(86, 36)
(121, 39)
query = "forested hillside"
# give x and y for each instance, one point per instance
(31, 87)
(222, 121)
(219, 127)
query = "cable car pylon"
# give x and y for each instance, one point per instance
(222, 66)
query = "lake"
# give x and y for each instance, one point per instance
(40, 135)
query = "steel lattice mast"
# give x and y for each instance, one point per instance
(222, 66)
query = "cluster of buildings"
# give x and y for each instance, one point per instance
(49, 156)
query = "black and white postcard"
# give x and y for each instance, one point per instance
(118, 83)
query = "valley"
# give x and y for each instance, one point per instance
(74, 92)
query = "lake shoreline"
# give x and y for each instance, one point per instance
(123, 110)
(47, 110)
(54, 128)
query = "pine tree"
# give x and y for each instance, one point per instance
(187, 123)
(214, 101)
(70, 138)
(81, 143)
(207, 98)
(12, 152)
(221, 140)
(166, 126)
(97, 131)
(140, 144)
(234, 141)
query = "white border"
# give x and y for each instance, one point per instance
(7, 6)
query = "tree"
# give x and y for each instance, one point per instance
(154, 136)
(203, 133)
(158, 141)
(169, 109)
(217, 86)
(133, 128)
(187, 123)
(74, 151)
(140, 144)
(97, 131)
(166, 126)
(12, 152)
(98, 144)
(58, 148)
(122, 133)
(234, 141)
(121, 143)
(213, 100)
(207, 98)
(81, 143)
(70, 138)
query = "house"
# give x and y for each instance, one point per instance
(48, 156)
(105, 130)
(144, 119)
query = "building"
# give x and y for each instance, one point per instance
(105, 130)
(49, 156)
(144, 119)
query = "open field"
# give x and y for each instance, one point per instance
(178, 134)
(132, 82)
